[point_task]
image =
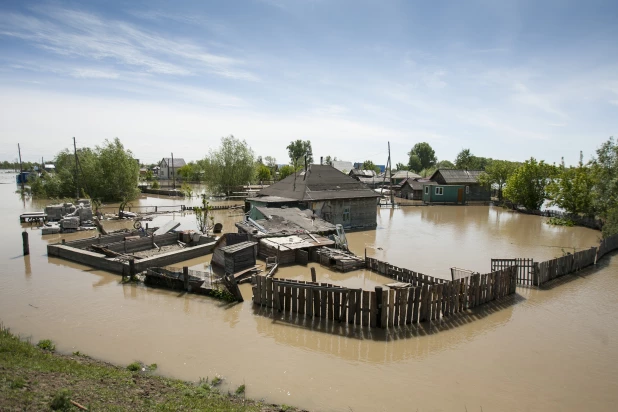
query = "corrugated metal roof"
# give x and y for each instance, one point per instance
(321, 182)
(455, 176)
(405, 174)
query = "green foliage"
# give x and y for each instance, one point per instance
(230, 166)
(262, 172)
(401, 166)
(497, 173)
(527, 184)
(149, 175)
(426, 156)
(297, 150)
(610, 228)
(216, 381)
(61, 400)
(560, 222)
(222, 294)
(427, 172)
(46, 344)
(153, 367)
(155, 185)
(573, 190)
(329, 160)
(134, 367)
(368, 165)
(17, 383)
(240, 390)
(605, 168)
(466, 160)
(204, 218)
(187, 172)
(445, 164)
(415, 164)
(107, 173)
(186, 189)
(285, 171)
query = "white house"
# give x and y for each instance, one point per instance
(167, 170)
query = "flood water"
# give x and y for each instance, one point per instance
(552, 349)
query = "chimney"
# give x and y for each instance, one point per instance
(321, 160)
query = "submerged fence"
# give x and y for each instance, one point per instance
(383, 308)
(532, 273)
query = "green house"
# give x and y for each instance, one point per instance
(445, 194)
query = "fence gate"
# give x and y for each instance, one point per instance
(525, 269)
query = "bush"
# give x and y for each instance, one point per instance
(134, 367)
(61, 400)
(46, 344)
(155, 185)
(240, 390)
(216, 380)
(18, 383)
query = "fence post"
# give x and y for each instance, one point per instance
(379, 301)
(185, 275)
(25, 243)
(313, 275)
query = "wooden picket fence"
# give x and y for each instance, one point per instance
(607, 245)
(383, 308)
(525, 272)
(400, 274)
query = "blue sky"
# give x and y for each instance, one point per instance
(507, 79)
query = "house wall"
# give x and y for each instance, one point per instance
(166, 172)
(350, 213)
(449, 194)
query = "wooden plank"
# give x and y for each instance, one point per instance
(309, 303)
(323, 302)
(358, 300)
(417, 301)
(410, 305)
(424, 303)
(456, 290)
(365, 307)
(330, 305)
(391, 307)
(384, 315)
(351, 306)
(373, 309)
(344, 306)
(301, 300)
(294, 299)
(269, 292)
(397, 307)
(336, 305)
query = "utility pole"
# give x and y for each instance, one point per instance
(76, 170)
(21, 169)
(173, 174)
(390, 169)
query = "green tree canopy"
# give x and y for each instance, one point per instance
(229, 166)
(285, 171)
(445, 164)
(297, 150)
(497, 173)
(528, 183)
(573, 190)
(262, 172)
(426, 155)
(368, 165)
(401, 166)
(605, 168)
(414, 164)
(466, 160)
(107, 173)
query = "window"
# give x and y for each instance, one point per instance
(426, 190)
(346, 214)
(467, 190)
(439, 191)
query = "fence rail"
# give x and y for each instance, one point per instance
(400, 274)
(383, 308)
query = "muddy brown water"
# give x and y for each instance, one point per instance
(551, 349)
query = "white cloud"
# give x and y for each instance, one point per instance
(93, 74)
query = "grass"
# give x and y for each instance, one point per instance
(560, 222)
(36, 378)
(240, 390)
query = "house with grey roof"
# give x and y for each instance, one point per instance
(329, 194)
(167, 170)
(468, 178)
(343, 167)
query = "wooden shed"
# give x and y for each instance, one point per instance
(237, 257)
(445, 194)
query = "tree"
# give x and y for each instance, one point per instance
(329, 161)
(445, 164)
(497, 173)
(368, 165)
(527, 184)
(203, 217)
(426, 156)
(605, 168)
(285, 171)
(297, 150)
(415, 164)
(466, 160)
(262, 172)
(187, 172)
(401, 166)
(573, 190)
(230, 166)
(271, 162)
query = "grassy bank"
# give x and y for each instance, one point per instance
(34, 377)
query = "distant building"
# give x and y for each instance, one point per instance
(445, 194)
(402, 175)
(49, 168)
(167, 170)
(358, 165)
(413, 188)
(468, 178)
(331, 195)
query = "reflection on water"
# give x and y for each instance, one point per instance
(550, 349)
